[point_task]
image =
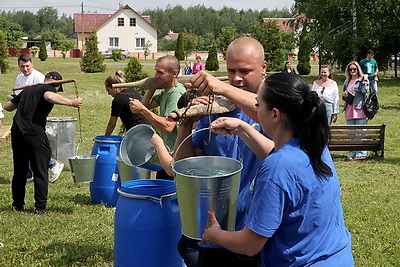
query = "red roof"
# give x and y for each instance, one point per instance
(174, 36)
(90, 21)
(284, 23)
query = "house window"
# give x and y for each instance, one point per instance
(114, 42)
(120, 21)
(132, 22)
(140, 42)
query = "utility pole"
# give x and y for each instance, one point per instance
(83, 30)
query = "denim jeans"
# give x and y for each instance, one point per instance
(357, 122)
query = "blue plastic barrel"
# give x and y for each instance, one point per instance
(103, 188)
(147, 225)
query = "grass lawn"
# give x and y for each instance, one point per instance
(76, 233)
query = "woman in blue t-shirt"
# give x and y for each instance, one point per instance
(295, 217)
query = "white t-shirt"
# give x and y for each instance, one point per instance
(33, 78)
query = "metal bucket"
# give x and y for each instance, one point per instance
(82, 168)
(207, 183)
(126, 172)
(61, 134)
(136, 149)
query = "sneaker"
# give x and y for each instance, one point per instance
(55, 172)
(360, 157)
(350, 157)
(17, 209)
(39, 212)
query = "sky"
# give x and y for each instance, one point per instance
(110, 6)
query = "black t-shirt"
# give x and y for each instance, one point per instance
(120, 108)
(32, 109)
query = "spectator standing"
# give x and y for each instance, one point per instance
(188, 67)
(29, 141)
(29, 76)
(354, 93)
(370, 66)
(288, 68)
(198, 66)
(120, 104)
(166, 72)
(295, 196)
(327, 89)
(246, 70)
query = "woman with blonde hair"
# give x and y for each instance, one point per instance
(120, 104)
(355, 89)
(327, 89)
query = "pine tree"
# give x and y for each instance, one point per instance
(212, 63)
(305, 48)
(4, 65)
(92, 60)
(43, 50)
(180, 49)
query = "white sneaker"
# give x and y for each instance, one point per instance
(55, 172)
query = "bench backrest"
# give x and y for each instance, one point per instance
(357, 137)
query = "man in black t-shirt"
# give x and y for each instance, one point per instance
(28, 138)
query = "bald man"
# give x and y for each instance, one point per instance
(246, 70)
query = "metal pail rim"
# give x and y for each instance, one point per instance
(240, 164)
(59, 119)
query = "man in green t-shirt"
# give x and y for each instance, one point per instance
(370, 67)
(167, 69)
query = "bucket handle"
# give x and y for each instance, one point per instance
(200, 130)
(106, 141)
(146, 197)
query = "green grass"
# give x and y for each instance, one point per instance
(76, 233)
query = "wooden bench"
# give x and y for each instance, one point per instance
(357, 138)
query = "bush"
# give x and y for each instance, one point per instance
(212, 63)
(303, 68)
(180, 49)
(116, 54)
(134, 72)
(4, 65)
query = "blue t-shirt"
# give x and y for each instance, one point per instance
(299, 211)
(232, 147)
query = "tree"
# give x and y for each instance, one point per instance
(92, 60)
(47, 17)
(228, 34)
(180, 49)
(134, 72)
(13, 32)
(212, 63)
(166, 45)
(305, 48)
(146, 49)
(4, 65)
(43, 50)
(65, 46)
(189, 43)
(270, 36)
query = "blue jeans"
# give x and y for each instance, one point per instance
(329, 111)
(52, 163)
(357, 122)
(374, 86)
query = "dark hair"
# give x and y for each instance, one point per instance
(25, 58)
(186, 97)
(306, 114)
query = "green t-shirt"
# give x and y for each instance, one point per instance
(369, 67)
(168, 102)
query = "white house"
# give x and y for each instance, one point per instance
(125, 29)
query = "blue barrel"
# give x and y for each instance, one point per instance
(103, 188)
(147, 225)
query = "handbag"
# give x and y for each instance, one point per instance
(348, 99)
(371, 105)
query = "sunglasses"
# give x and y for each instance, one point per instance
(351, 69)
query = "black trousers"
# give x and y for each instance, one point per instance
(197, 256)
(36, 150)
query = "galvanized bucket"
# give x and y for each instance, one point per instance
(82, 168)
(136, 149)
(206, 183)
